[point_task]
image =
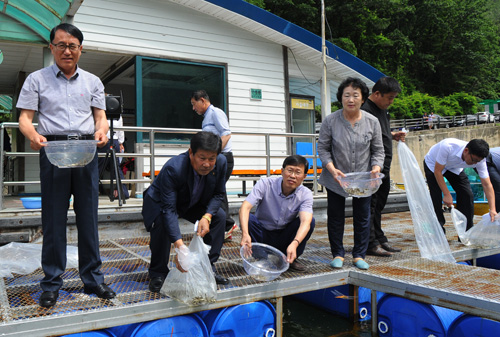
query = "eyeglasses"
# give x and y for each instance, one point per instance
(474, 161)
(292, 172)
(62, 46)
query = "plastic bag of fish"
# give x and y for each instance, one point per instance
(197, 286)
(485, 234)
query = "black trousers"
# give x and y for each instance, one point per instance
(160, 242)
(461, 185)
(336, 224)
(281, 238)
(225, 203)
(57, 185)
(377, 205)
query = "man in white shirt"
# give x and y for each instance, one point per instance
(447, 159)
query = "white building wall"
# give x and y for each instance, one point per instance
(166, 30)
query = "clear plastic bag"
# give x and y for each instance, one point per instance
(25, 258)
(430, 237)
(196, 286)
(485, 234)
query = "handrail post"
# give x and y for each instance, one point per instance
(268, 155)
(315, 166)
(151, 155)
(2, 161)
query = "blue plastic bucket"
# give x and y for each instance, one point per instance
(365, 302)
(124, 330)
(187, 325)
(328, 299)
(491, 262)
(97, 333)
(467, 325)
(244, 320)
(397, 315)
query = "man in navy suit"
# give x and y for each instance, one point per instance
(190, 186)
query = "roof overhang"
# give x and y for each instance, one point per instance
(32, 21)
(303, 43)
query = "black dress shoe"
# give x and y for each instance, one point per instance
(390, 248)
(219, 279)
(101, 290)
(156, 283)
(48, 298)
(378, 251)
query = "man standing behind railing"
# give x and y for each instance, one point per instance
(383, 94)
(215, 121)
(67, 100)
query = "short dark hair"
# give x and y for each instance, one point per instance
(356, 83)
(68, 28)
(386, 85)
(206, 141)
(200, 94)
(478, 147)
(296, 160)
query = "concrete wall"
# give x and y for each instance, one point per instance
(420, 142)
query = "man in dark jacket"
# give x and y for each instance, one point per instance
(382, 96)
(190, 186)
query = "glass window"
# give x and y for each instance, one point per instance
(166, 94)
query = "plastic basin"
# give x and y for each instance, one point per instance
(361, 184)
(70, 153)
(263, 262)
(32, 202)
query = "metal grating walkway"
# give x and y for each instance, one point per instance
(125, 262)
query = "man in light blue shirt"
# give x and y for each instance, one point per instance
(284, 215)
(70, 104)
(215, 121)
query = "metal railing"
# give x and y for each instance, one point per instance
(416, 124)
(153, 155)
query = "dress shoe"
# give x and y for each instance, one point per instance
(378, 251)
(297, 266)
(48, 298)
(219, 279)
(390, 248)
(101, 290)
(156, 283)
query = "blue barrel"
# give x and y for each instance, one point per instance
(244, 320)
(97, 333)
(124, 330)
(399, 316)
(491, 262)
(187, 325)
(365, 302)
(468, 325)
(329, 299)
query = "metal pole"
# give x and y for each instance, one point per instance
(268, 155)
(152, 153)
(325, 101)
(374, 313)
(2, 162)
(279, 317)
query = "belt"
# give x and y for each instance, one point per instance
(69, 137)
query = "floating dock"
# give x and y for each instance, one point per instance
(465, 288)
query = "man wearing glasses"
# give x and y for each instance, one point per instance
(447, 159)
(284, 212)
(69, 103)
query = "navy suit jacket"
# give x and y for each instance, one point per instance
(171, 191)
